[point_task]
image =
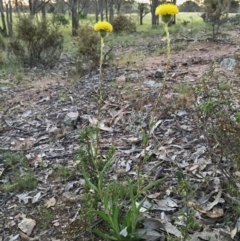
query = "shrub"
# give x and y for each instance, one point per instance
(190, 6)
(88, 48)
(123, 24)
(88, 45)
(60, 19)
(36, 42)
(216, 13)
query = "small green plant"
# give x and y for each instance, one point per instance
(45, 216)
(63, 172)
(27, 181)
(186, 192)
(207, 107)
(237, 116)
(63, 96)
(19, 176)
(137, 120)
(123, 222)
(113, 195)
(19, 75)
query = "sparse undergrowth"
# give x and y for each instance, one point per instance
(18, 174)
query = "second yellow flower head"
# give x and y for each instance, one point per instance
(167, 9)
(103, 26)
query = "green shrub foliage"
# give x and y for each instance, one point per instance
(60, 19)
(122, 23)
(88, 45)
(36, 42)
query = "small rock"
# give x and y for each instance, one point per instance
(3, 89)
(228, 63)
(121, 79)
(13, 143)
(159, 73)
(181, 113)
(71, 118)
(133, 76)
(54, 131)
(152, 83)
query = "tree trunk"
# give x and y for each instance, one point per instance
(9, 18)
(111, 12)
(118, 6)
(155, 19)
(43, 10)
(74, 17)
(36, 6)
(141, 10)
(174, 17)
(16, 6)
(101, 9)
(3, 29)
(96, 11)
(30, 4)
(106, 10)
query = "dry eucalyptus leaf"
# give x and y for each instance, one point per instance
(172, 229)
(192, 168)
(153, 223)
(36, 197)
(205, 236)
(124, 232)
(101, 124)
(150, 235)
(215, 202)
(170, 202)
(25, 237)
(205, 198)
(50, 203)
(236, 229)
(155, 126)
(14, 238)
(154, 195)
(215, 213)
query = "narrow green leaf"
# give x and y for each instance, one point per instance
(116, 210)
(102, 214)
(152, 184)
(90, 184)
(104, 235)
(144, 137)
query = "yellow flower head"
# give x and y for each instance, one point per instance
(166, 9)
(103, 26)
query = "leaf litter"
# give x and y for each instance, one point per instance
(41, 122)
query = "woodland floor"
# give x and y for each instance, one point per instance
(32, 121)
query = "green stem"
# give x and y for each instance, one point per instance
(159, 98)
(160, 94)
(99, 99)
(168, 48)
(100, 74)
